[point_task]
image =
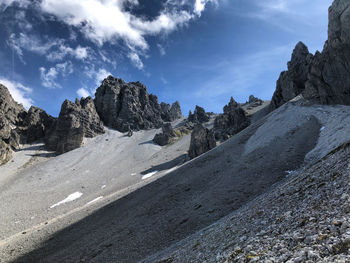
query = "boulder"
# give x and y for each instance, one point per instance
(165, 137)
(121, 105)
(232, 121)
(202, 140)
(76, 121)
(199, 115)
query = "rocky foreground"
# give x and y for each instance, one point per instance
(304, 218)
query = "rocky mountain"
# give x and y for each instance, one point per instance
(122, 105)
(75, 122)
(322, 78)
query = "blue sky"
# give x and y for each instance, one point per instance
(195, 51)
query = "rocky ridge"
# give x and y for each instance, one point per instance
(322, 78)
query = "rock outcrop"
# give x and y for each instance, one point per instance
(199, 115)
(37, 123)
(172, 113)
(254, 101)
(12, 115)
(76, 121)
(329, 76)
(202, 140)
(121, 105)
(323, 78)
(232, 121)
(292, 82)
(165, 137)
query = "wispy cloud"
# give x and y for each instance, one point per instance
(19, 92)
(52, 49)
(49, 76)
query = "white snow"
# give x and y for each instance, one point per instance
(95, 200)
(69, 198)
(103, 186)
(149, 175)
(133, 174)
(322, 128)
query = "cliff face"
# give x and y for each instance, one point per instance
(325, 77)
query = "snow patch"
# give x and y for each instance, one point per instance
(69, 198)
(133, 174)
(322, 128)
(95, 200)
(149, 175)
(103, 186)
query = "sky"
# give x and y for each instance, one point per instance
(199, 52)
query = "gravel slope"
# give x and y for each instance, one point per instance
(135, 219)
(305, 218)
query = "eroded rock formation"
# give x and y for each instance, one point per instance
(232, 121)
(292, 82)
(325, 77)
(199, 115)
(165, 137)
(76, 121)
(122, 105)
(202, 140)
(172, 113)
(12, 115)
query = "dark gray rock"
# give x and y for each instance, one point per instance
(327, 78)
(175, 111)
(199, 115)
(76, 121)
(202, 140)
(37, 123)
(14, 112)
(254, 101)
(165, 137)
(121, 105)
(12, 116)
(232, 121)
(292, 82)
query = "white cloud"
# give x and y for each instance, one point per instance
(49, 76)
(82, 92)
(135, 59)
(97, 75)
(19, 92)
(107, 20)
(199, 5)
